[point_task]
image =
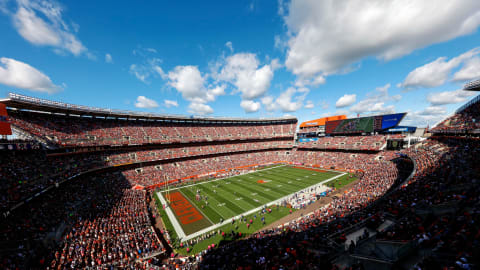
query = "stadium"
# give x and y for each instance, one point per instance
(86, 187)
(243, 135)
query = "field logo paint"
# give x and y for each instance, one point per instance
(184, 210)
(263, 181)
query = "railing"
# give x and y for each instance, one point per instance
(471, 102)
(68, 106)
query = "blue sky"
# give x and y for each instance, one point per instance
(250, 58)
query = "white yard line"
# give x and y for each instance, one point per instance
(227, 177)
(196, 207)
(229, 220)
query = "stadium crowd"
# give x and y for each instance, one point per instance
(27, 172)
(374, 143)
(446, 176)
(94, 222)
(466, 120)
(83, 131)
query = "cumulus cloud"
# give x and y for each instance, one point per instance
(188, 81)
(315, 81)
(469, 71)
(269, 103)
(309, 105)
(229, 45)
(436, 73)
(41, 23)
(449, 97)
(383, 29)
(242, 70)
(170, 103)
(199, 108)
(108, 58)
(428, 116)
(292, 99)
(250, 106)
(346, 100)
(375, 102)
(145, 103)
(18, 74)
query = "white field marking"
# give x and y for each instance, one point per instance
(206, 182)
(253, 194)
(207, 206)
(229, 220)
(185, 196)
(267, 189)
(238, 199)
(279, 185)
(289, 182)
(171, 216)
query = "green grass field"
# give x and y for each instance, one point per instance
(233, 196)
(237, 195)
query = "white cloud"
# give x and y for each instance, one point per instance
(329, 36)
(229, 45)
(199, 108)
(139, 72)
(148, 68)
(280, 43)
(449, 97)
(188, 81)
(41, 23)
(242, 70)
(250, 106)
(436, 73)
(346, 100)
(108, 58)
(170, 103)
(375, 102)
(309, 105)
(428, 116)
(315, 81)
(469, 71)
(287, 102)
(432, 110)
(144, 102)
(269, 103)
(218, 90)
(18, 74)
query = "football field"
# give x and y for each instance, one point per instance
(201, 207)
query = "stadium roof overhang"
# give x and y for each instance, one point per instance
(472, 86)
(36, 104)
